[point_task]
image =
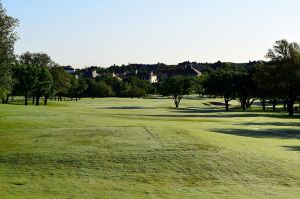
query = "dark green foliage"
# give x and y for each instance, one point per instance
(38, 77)
(177, 87)
(221, 83)
(43, 86)
(33, 80)
(7, 40)
(142, 84)
(245, 89)
(137, 87)
(286, 56)
(119, 87)
(36, 59)
(265, 78)
(135, 92)
(61, 82)
(101, 89)
(26, 78)
(199, 85)
(108, 86)
(78, 87)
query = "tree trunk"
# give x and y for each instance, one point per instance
(249, 103)
(226, 104)
(26, 99)
(243, 104)
(177, 101)
(274, 105)
(285, 106)
(37, 100)
(263, 103)
(244, 107)
(290, 107)
(46, 100)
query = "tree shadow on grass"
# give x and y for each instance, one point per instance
(185, 112)
(271, 124)
(208, 114)
(231, 111)
(265, 133)
(292, 148)
(18, 103)
(123, 107)
(198, 110)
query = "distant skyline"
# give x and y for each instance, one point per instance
(106, 32)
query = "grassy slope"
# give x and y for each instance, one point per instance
(87, 150)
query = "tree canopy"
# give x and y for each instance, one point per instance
(177, 87)
(8, 37)
(286, 56)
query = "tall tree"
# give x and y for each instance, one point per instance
(199, 85)
(265, 78)
(78, 87)
(245, 89)
(8, 37)
(287, 58)
(26, 78)
(101, 89)
(220, 83)
(61, 82)
(44, 84)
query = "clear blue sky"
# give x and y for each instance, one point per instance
(106, 32)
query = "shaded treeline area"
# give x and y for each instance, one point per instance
(276, 81)
(37, 77)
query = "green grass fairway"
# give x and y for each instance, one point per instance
(129, 148)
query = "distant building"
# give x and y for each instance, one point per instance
(89, 73)
(69, 69)
(151, 77)
(116, 76)
(186, 70)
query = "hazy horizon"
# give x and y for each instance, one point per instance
(107, 32)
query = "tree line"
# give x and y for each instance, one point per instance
(276, 81)
(37, 77)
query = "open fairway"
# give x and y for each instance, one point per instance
(129, 148)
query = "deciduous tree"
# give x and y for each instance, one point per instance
(8, 37)
(286, 56)
(177, 87)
